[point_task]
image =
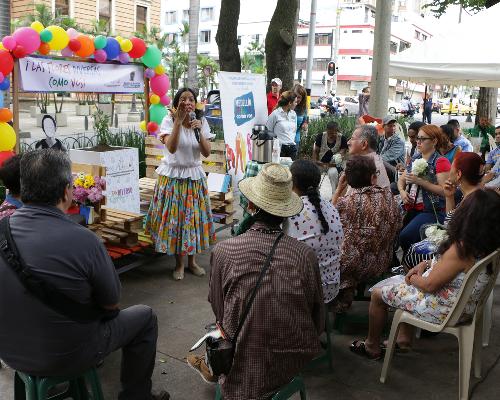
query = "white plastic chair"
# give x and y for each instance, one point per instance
(469, 334)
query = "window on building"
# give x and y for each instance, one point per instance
(356, 58)
(205, 36)
(141, 18)
(320, 64)
(357, 31)
(394, 47)
(417, 35)
(105, 8)
(373, 14)
(239, 40)
(62, 7)
(171, 17)
(185, 15)
(370, 58)
(323, 38)
(302, 40)
(424, 37)
(345, 31)
(171, 37)
(256, 38)
(395, 18)
(207, 14)
(403, 46)
(300, 63)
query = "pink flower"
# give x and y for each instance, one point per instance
(95, 194)
(80, 194)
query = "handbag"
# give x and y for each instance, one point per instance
(220, 351)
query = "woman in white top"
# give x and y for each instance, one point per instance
(180, 218)
(283, 123)
(318, 225)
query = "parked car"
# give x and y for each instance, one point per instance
(459, 107)
(393, 107)
(213, 111)
(348, 105)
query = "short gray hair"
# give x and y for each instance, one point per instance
(369, 133)
(45, 174)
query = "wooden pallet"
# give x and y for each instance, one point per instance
(122, 220)
(154, 154)
(216, 161)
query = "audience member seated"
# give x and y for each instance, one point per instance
(447, 148)
(44, 340)
(412, 137)
(326, 146)
(318, 225)
(484, 130)
(465, 176)
(392, 147)
(422, 194)
(459, 138)
(281, 332)
(494, 154)
(371, 220)
(363, 142)
(9, 175)
(430, 290)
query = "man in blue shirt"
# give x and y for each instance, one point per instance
(460, 140)
(392, 147)
(494, 154)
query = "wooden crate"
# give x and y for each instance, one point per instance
(154, 154)
(122, 220)
(216, 161)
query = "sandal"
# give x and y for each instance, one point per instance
(399, 348)
(178, 275)
(358, 347)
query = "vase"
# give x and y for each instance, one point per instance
(88, 213)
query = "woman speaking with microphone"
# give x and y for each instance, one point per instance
(179, 219)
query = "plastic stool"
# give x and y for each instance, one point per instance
(287, 391)
(29, 387)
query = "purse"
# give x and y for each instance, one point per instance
(220, 351)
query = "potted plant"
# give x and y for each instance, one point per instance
(88, 194)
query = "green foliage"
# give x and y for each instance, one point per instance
(43, 13)
(253, 58)
(98, 27)
(102, 122)
(218, 131)
(203, 62)
(438, 7)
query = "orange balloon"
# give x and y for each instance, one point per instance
(44, 49)
(87, 48)
(5, 115)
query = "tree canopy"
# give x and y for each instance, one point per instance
(438, 7)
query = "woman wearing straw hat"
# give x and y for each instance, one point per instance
(280, 334)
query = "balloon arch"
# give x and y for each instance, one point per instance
(42, 40)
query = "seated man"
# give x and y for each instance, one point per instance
(392, 146)
(494, 154)
(9, 175)
(492, 168)
(326, 146)
(41, 339)
(460, 139)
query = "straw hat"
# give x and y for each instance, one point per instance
(271, 190)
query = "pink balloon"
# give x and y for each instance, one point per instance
(124, 58)
(28, 38)
(160, 84)
(72, 33)
(2, 77)
(165, 100)
(9, 43)
(100, 56)
(66, 52)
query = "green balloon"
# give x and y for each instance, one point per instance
(100, 42)
(152, 57)
(45, 36)
(157, 112)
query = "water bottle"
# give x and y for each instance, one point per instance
(276, 151)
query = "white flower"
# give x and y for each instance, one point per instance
(419, 167)
(435, 234)
(337, 159)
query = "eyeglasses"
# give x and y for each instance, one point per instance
(423, 138)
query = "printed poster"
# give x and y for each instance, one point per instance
(243, 102)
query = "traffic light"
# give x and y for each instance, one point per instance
(299, 77)
(331, 68)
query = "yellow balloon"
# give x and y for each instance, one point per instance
(154, 99)
(119, 39)
(142, 126)
(160, 70)
(37, 26)
(1, 46)
(126, 45)
(60, 38)
(7, 137)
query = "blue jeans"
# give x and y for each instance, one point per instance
(411, 232)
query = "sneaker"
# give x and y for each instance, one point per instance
(197, 270)
(162, 395)
(198, 364)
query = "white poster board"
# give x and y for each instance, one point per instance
(244, 104)
(53, 75)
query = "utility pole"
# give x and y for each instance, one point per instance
(379, 92)
(310, 50)
(336, 49)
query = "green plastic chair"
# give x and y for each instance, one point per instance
(296, 385)
(326, 357)
(29, 387)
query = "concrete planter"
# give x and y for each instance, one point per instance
(34, 111)
(82, 110)
(61, 119)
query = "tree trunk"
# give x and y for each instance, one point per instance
(194, 18)
(227, 36)
(280, 42)
(487, 104)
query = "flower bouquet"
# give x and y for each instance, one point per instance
(420, 168)
(88, 193)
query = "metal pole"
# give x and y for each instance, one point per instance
(379, 93)
(310, 47)
(336, 50)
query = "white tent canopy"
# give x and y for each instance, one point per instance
(464, 56)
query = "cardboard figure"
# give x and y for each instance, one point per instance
(49, 127)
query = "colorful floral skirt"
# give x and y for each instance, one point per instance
(179, 219)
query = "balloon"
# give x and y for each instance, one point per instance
(46, 36)
(112, 48)
(1, 77)
(100, 55)
(86, 46)
(37, 26)
(2, 47)
(19, 52)
(152, 57)
(165, 100)
(119, 39)
(126, 45)
(6, 62)
(44, 49)
(124, 58)
(5, 115)
(100, 42)
(7, 137)
(152, 127)
(5, 84)
(72, 33)
(5, 155)
(28, 38)
(138, 48)
(60, 38)
(154, 99)
(149, 73)
(160, 84)
(74, 45)
(160, 70)
(142, 126)
(66, 52)
(9, 43)
(157, 112)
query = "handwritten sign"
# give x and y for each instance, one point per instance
(50, 75)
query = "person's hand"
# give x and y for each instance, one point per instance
(411, 272)
(181, 114)
(449, 188)
(342, 185)
(405, 197)
(412, 178)
(488, 177)
(195, 124)
(400, 167)
(304, 127)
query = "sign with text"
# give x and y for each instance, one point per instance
(51, 75)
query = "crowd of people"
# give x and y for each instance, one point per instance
(301, 256)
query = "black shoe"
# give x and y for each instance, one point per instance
(161, 395)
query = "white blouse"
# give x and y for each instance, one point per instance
(185, 162)
(283, 125)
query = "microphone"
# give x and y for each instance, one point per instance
(192, 116)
